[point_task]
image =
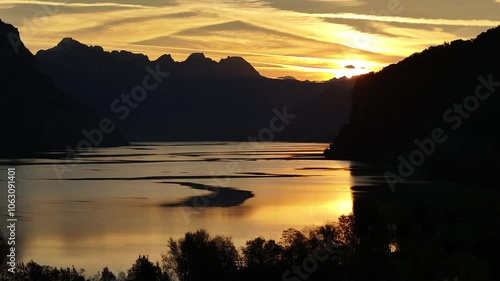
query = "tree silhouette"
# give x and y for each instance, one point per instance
(197, 256)
(107, 275)
(145, 270)
(259, 252)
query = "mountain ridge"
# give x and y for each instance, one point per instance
(404, 103)
(36, 116)
(232, 66)
(200, 100)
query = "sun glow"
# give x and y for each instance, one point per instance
(348, 72)
(283, 41)
(353, 67)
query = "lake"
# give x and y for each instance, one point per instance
(112, 204)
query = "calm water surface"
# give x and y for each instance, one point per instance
(116, 203)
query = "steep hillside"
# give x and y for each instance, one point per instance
(448, 92)
(35, 115)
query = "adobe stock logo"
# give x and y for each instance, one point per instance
(276, 124)
(453, 118)
(363, 40)
(310, 264)
(122, 107)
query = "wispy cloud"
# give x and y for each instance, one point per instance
(281, 37)
(347, 3)
(426, 21)
(70, 4)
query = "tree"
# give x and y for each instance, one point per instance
(144, 270)
(295, 246)
(259, 252)
(107, 275)
(197, 256)
(4, 251)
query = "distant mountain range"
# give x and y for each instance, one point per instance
(34, 114)
(198, 99)
(75, 56)
(58, 99)
(442, 104)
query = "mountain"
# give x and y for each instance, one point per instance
(198, 99)
(35, 115)
(436, 111)
(330, 107)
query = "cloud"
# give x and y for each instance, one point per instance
(280, 37)
(315, 6)
(72, 4)
(350, 66)
(287, 78)
(425, 21)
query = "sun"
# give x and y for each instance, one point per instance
(348, 72)
(350, 68)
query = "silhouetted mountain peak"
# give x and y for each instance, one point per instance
(491, 35)
(234, 61)
(237, 66)
(197, 65)
(69, 42)
(75, 54)
(71, 47)
(11, 46)
(5, 28)
(127, 56)
(199, 58)
(165, 59)
(196, 57)
(40, 115)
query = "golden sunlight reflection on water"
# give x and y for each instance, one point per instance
(108, 210)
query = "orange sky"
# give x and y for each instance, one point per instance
(307, 39)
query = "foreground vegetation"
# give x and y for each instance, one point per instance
(353, 248)
(199, 256)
